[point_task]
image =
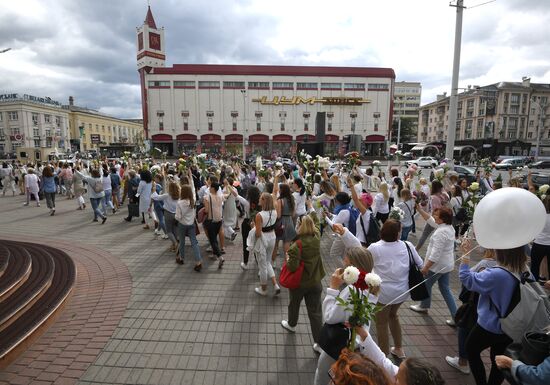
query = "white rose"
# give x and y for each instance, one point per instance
(544, 188)
(471, 204)
(373, 280)
(278, 164)
(543, 196)
(351, 274)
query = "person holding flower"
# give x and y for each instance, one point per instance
(439, 260)
(306, 249)
(407, 206)
(380, 207)
(361, 260)
(438, 198)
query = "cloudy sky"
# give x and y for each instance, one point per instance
(87, 48)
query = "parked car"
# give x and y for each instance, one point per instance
(509, 164)
(540, 179)
(540, 164)
(423, 161)
(465, 172)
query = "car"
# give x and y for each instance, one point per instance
(510, 163)
(540, 179)
(540, 164)
(464, 172)
(335, 166)
(423, 161)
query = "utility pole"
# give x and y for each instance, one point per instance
(542, 108)
(449, 151)
(398, 130)
(244, 124)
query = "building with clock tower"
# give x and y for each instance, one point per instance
(261, 109)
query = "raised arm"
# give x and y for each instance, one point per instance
(356, 201)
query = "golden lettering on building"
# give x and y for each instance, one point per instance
(327, 100)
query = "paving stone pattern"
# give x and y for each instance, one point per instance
(183, 327)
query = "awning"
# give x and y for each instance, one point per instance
(211, 138)
(281, 138)
(186, 138)
(258, 138)
(234, 138)
(162, 138)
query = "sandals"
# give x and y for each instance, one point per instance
(198, 268)
(392, 352)
(179, 261)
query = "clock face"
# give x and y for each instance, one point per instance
(154, 41)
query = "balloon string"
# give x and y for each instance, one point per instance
(424, 281)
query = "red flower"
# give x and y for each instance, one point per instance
(361, 284)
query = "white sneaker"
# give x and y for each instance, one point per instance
(317, 348)
(285, 324)
(418, 309)
(450, 323)
(209, 249)
(157, 232)
(277, 289)
(244, 266)
(454, 362)
(261, 292)
(164, 236)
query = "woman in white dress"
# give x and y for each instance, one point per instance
(144, 192)
(31, 186)
(229, 209)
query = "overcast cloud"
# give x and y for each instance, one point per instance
(87, 48)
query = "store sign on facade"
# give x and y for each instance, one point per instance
(17, 137)
(338, 101)
(95, 138)
(31, 98)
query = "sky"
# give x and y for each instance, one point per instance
(87, 48)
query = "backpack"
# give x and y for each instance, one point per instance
(529, 308)
(353, 215)
(373, 235)
(98, 186)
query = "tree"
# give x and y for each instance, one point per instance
(408, 130)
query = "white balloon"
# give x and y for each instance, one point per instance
(507, 218)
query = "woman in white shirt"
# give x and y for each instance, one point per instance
(380, 207)
(107, 187)
(407, 205)
(185, 215)
(392, 259)
(264, 243)
(300, 197)
(170, 201)
(362, 202)
(229, 209)
(439, 260)
(31, 186)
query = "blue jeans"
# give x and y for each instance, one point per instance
(443, 283)
(160, 216)
(95, 207)
(188, 230)
(405, 232)
(107, 201)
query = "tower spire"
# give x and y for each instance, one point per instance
(149, 19)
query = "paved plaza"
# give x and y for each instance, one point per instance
(136, 317)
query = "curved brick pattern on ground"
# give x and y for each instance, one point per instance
(72, 343)
(182, 327)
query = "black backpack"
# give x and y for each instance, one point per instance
(373, 235)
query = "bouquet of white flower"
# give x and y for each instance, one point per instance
(397, 214)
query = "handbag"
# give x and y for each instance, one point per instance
(133, 209)
(291, 280)
(533, 350)
(416, 280)
(279, 226)
(333, 338)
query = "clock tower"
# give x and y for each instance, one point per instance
(150, 43)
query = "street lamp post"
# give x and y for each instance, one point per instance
(244, 124)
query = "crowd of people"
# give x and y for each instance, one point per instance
(285, 211)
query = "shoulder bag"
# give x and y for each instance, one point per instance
(417, 285)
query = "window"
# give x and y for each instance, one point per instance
(161, 125)
(522, 123)
(1, 116)
(37, 143)
(533, 111)
(103, 128)
(210, 126)
(479, 134)
(36, 132)
(514, 99)
(97, 127)
(12, 115)
(378, 86)
(232, 85)
(258, 125)
(480, 123)
(283, 86)
(35, 119)
(282, 126)
(184, 84)
(331, 86)
(514, 109)
(185, 125)
(354, 86)
(209, 84)
(58, 121)
(306, 86)
(157, 83)
(329, 125)
(160, 114)
(513, 123)
(15, 131)
(306, 125)
(282, 114)
(511, 135)
(458, 126)
(1, 133)
(530, 135)
(375, 126)
(185, 114)
(260, 85)
(470, 103)
(234, 126)
(209, 114)
(48, 132)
